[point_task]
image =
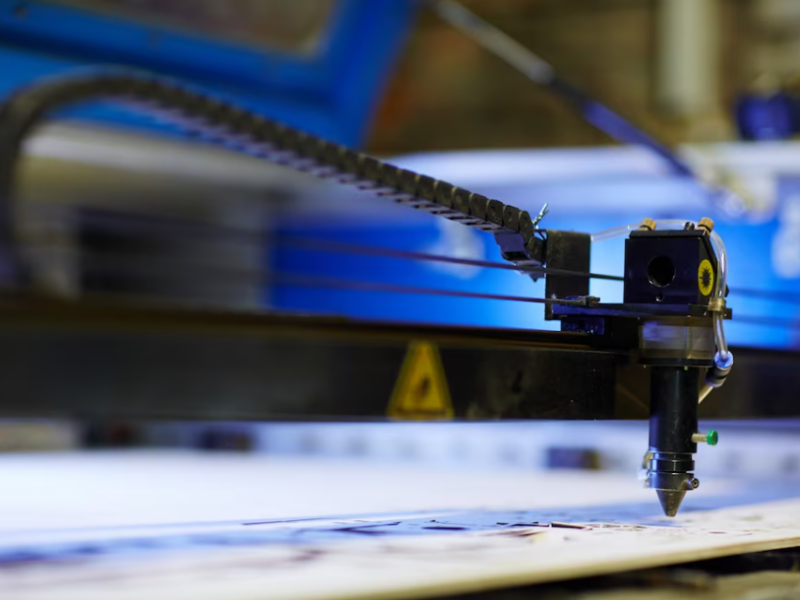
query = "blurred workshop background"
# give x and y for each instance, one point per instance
(716, 79)
(677, 68)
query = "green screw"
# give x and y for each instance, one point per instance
(711, 438)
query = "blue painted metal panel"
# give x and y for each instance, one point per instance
(332, 92)
(20, 67)
(361, 56)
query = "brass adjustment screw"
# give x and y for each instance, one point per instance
(707, 224)
(648, 224)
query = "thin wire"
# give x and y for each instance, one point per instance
(172, 270)
(238, 234)
(349, 248)
(177, 269)
(294, 280)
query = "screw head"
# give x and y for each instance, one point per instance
(648, 224)
(706, 223)
(712, 437)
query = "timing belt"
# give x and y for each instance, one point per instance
(247, 132)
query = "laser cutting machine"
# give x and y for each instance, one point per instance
(113, 343)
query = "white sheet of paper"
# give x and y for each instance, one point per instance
(181, 526)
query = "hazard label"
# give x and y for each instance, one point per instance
(421, 393)
(705, 277)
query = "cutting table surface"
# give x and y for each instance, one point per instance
(199, 526)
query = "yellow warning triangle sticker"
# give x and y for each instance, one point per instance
(421, 392)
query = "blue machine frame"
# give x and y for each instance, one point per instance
(332, 92)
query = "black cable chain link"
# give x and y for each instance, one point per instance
(246, 132)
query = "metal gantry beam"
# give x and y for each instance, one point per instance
(106, 361)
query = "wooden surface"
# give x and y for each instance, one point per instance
(180, 526)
